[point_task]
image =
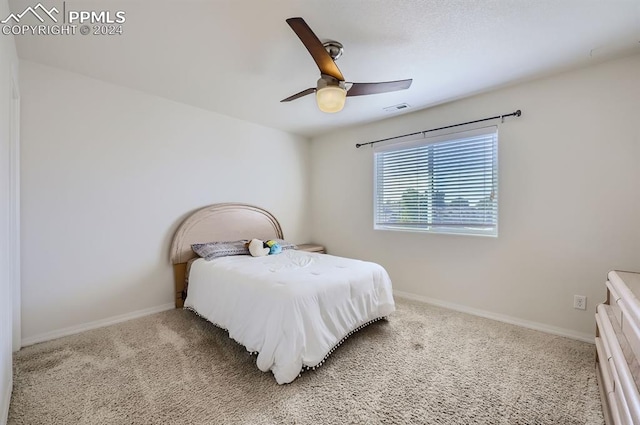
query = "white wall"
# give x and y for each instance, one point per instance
(569, 200)
(107, 175)
(8, 60)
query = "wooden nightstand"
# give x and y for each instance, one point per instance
(312, 247)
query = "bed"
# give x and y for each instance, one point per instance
(291, 309)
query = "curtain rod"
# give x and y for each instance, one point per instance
(502, 117)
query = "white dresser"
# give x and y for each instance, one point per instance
(618, 349)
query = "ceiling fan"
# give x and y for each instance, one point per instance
(332, 89)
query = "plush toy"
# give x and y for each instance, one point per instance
(257, 248)
(274, 247)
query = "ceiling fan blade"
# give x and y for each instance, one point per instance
(361, 89)
(316, 49)
(298, 95)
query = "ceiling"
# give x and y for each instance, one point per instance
(240, 58)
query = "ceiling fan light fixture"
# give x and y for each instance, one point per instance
(331, 91)
(331, 98)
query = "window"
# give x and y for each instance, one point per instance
(444, 184)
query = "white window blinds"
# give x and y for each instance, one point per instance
(445, 184)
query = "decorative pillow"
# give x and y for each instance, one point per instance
(211, 250)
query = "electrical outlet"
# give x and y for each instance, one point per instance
(580, 302)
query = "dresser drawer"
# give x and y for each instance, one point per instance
(615, 411)
(619, 400)
(623, 396)
(604, 395)
(632, 334)
(603, 365)
(613, 298)
(620, 285)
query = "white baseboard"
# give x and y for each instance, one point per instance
(580, 336)
(47, 336)
(4, 403)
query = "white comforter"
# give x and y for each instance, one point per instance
(293, 307)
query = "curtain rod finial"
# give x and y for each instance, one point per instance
(518, 113)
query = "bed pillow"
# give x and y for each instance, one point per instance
(211, 250)
(285, 245)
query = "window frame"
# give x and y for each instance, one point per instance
(414, 142)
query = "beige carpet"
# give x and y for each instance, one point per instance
(426, 365)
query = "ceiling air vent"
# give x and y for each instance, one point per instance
(396, 108)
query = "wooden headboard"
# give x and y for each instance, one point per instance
(218, 223)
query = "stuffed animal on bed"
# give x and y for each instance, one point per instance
(257, 248)
(274, 247)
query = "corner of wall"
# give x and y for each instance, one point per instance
(6, 400)
(8, 80)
